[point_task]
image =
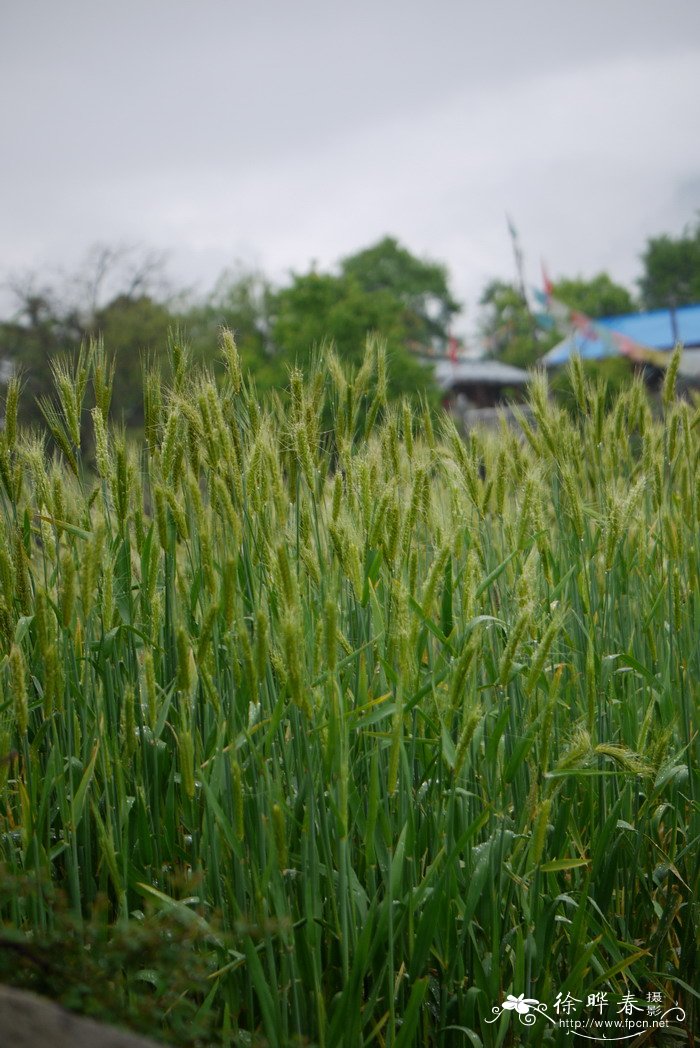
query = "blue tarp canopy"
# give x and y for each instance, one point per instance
(654, 329)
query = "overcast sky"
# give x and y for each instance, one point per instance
(283, 133)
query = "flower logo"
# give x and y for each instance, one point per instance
(525, 1007)
(520, 1004)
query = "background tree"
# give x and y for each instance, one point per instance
(41, 326)
(671, 274)
(124, 270)
(599, 296)
(422, 288)
(320, 307)
(134, 329)
(113, 292)
(241, 301)
(507, 328)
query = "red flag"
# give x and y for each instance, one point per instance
(547, 283)
(452, 349)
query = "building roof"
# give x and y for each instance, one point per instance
(478, 372)
(654, 329)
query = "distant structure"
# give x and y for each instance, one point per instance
(478, 391)
(659, 330)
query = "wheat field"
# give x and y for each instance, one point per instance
(391, 721)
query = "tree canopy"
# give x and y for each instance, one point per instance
(384, 289)
(240, 301)
(507, 327)
(318, 308)
(134, 329)
(671, 275)
(422, 287)
(117, 293)
(599, 296)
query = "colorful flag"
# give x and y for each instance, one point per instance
(574, 321)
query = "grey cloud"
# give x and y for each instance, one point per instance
(283, 133)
